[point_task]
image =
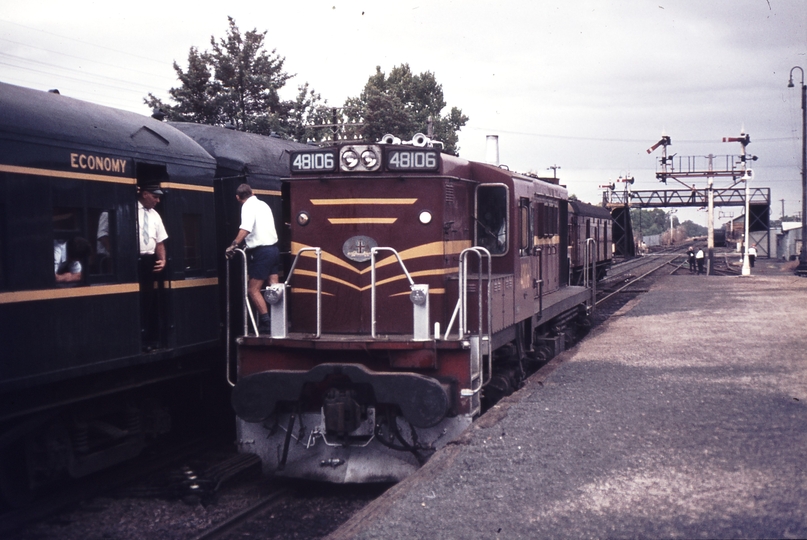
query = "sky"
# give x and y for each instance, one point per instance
(583, 85)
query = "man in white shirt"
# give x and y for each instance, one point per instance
(258, 231)
(152, 236)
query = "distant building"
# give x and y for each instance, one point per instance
(788, 241)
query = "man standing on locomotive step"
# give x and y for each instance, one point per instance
(258, 230)
(152, 235)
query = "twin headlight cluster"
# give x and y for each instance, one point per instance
(361, 157)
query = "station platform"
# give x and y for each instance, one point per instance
(683, 416)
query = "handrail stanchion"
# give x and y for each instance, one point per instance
(590, 275)
(228, 315)
(373, 251)
(318, 253)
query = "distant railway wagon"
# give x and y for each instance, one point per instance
(590, 239)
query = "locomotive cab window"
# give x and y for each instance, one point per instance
(492, 218)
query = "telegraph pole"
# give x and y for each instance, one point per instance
(802, 267)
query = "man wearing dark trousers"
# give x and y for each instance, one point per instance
(258, 231)
(151, 235)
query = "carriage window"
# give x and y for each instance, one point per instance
(525, 233)
(539, 219)
(192, 231)
(101, 225)
(491, 218)
(71, 250)
(67, 221)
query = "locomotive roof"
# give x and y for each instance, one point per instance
(591, 210)
(53, 118)
(241, 152)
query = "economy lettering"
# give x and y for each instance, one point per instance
(98, 163)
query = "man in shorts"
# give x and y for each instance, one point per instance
(257, 229)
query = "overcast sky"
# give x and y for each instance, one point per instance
(587, 86)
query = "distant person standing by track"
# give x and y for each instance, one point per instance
(258, 231)
(752, 254)
(699, 258)
(691, 257)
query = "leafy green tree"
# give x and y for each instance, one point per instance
(404, 104)
(693, 229)
(237, 83)
(650, 222)
(307, 116)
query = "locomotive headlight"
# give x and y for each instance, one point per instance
(303, 218)
(425, 217)
(273, 294)
(418, 297)
(350, 159)
(360, 158)
(369, 159)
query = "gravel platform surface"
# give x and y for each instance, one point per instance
(683, 416)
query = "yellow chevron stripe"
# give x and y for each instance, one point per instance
(354, 202)
(399, 277)
(309, 291)
(431, 291)
(362, 221)
(425, 250)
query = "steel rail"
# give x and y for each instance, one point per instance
(245, 516)
(629, 283)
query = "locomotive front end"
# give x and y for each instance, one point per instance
(354, 383)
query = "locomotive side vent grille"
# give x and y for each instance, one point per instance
(450, 192)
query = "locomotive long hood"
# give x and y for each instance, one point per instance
(422, 400)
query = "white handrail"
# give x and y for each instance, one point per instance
(373, 251)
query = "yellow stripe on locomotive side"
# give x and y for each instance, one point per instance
(353, 202)
(73, 292)
(66, 174)
(362, 221)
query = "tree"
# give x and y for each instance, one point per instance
(693, 229)
(404, 104)
(651, 222)
(237, 82)
(306, 113)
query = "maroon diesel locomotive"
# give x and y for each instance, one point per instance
(420, 287)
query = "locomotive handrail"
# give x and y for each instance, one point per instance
(318, 252)
(593, 276)
(461, 307)
(540, 252)
(246, 307)
(373, 251)
(462, 310)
